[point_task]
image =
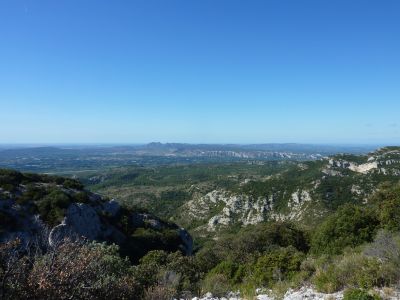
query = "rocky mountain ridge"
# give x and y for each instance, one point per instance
(301, 193)
(33, 209)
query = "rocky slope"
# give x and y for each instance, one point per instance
(307, 293)
(303, 192)
(33, 207)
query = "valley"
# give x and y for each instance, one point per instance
(209, 198)
(245, 228)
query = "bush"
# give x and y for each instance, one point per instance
(250, 242)
(217, 284)
(387, 200)
(71, 271)
(350, 226)
(357, 294)
(159, 292)
(72, 184)
(92, 271)
(144, 240)
(149, 265)
(52, 207)
(353, 269)
(232, 271)
(81, 197)
(10, 179)
(172, 271)
(277, 265)
(377, 265)
(13, 272)
(32, 193)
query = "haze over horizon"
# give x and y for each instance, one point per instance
(200, 72)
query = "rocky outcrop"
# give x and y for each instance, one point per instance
(364, 168)
(143, 219)
(343, 164)
(81, 220)
(221, 209)
(187, 241)
(304, 292)
(95, 220)
(111, 207)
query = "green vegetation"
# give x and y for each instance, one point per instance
(358, 294)
(162, 190)
(352, 245)
(349, 226)
(50, 196)
(10, 180)
(165, 189)
(52, 207)
(78, 271)
(45, 194)
(387, 199)
(351, 248)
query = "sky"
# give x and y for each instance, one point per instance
(200, 71)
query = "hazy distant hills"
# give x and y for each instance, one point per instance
(65, 158)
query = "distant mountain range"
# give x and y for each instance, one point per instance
(84, 157)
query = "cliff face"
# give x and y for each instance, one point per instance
(304, 192)
(53, 209)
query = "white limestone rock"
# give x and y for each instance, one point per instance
(363, 168)
(81, 220)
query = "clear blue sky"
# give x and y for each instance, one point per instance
(200, 71)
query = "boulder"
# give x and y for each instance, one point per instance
(81, 220)
(111, 207)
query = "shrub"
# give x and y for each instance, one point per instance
(386, 249)
(232, 271)
(72, 184)
(10, 179)
(92, 271)
(357, 294)
(32, 193)
(144, 240)
(352, 269)
(387, 201)
(261, 237)
(149, 265)
(250, 242)
(159, 292)
(173, 271)
(217, 284)
(71, 271)
(350, 226)
(277, 265)
(81, 197)
(184, 268)
(206, 259)
(52, 207)
(13, 271)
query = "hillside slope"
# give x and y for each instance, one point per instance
(210, 198)
(33, 207)
(303, 192)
